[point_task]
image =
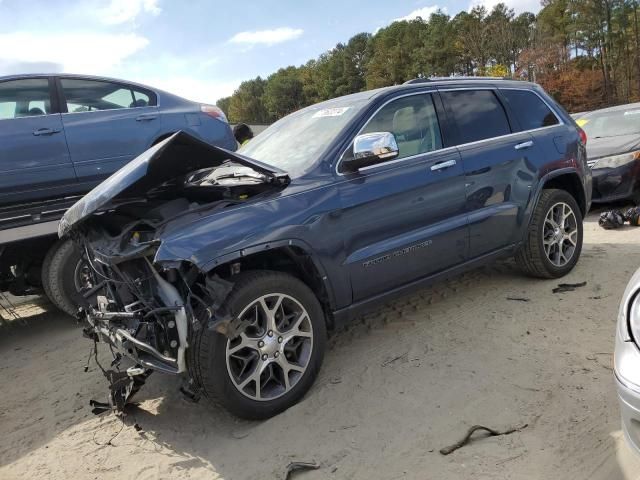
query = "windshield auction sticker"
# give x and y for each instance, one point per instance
(330, 112)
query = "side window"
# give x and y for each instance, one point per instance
(90, 95)
(529, 109)
(24, 98)
(413, 122)
(478, 114)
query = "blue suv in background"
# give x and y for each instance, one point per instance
(64, 134)
(229, 268)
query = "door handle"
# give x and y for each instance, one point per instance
(45, 131)
(145, 117)
(443, 165)
(522, 146)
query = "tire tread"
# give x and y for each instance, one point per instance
(530, 256)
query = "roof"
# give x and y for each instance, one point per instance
(74, 75)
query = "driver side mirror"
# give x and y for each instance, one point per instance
(371, 149)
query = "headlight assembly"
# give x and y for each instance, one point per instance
(617, 160)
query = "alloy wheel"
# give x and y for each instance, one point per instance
(560, 234)
(272, 354)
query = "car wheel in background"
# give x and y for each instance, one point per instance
(554, 240)
(65, 277)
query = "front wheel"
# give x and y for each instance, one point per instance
(275, 360)
(554, 241)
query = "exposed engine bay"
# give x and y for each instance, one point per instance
(147, 312)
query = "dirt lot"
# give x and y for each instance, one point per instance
(395, 388)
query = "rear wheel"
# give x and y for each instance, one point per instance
(66, 276)
(554, 241)
(275, 360)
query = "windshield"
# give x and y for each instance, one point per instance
(611, 124)
(296, 142)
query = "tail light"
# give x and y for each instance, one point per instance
(214, 112)
(583, 136)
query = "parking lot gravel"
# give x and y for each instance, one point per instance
(491, 348)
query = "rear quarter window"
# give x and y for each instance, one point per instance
(529, 109)
(478, 114)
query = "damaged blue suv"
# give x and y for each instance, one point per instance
(229, 268)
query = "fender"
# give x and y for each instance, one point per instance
(528, 214)
(264, 247)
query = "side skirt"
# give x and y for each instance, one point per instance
(345, 315)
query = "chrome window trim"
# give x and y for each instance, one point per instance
(462, 145)
(398, 160)
(109, 110)
(29, 116)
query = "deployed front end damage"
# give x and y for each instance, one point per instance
(149, 311)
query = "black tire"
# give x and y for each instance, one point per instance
(58, 277)
(208, 356)
(532, 257)
(45, 271)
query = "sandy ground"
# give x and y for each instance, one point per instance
(396, 386)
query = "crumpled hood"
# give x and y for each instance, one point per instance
(175, 156)
(608, 146)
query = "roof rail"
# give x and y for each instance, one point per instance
(454, 79)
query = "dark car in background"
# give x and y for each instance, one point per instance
(229, 268)
(614, 152)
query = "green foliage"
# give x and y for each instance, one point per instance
(224, 104)
(247, 104)
(586, 51)
(283, 93)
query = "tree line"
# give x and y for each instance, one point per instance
(586, 53)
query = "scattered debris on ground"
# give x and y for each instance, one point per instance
(519, 299)
(611, 220)
(467, 438)
(298, 467)
(614, 219)
(568, 287)
(404, 358)
(594, 357)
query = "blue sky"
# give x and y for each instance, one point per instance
(199, 49)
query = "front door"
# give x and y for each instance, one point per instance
(107, 125)
(404, 219)
(34, 159)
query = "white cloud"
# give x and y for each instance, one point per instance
(518, 5)
(123, 11)
(267, 37)
(424, 13)
(78, 52)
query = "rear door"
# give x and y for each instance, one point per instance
(499, 167)
(34, 159)
(107, 124)
(404, 219)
